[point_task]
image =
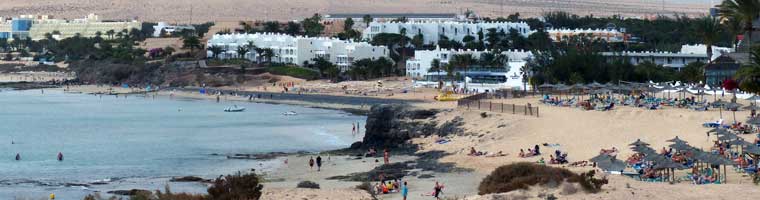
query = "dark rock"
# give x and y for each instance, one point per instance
(391, 126)
(424, 176)
(127, 192)
(264, 156)
(356, 145)
(186, 179)
(76, 185)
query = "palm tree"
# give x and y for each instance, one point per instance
(110, 33)
(749, 75)
(709, 29)
(242, 50)
(367, 19)
(435, 65)
(268, 53)
(215, 50)
(463, 61)
(168, 50)
(745, 11)
(450, 72)
(191, 42)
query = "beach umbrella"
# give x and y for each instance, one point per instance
(595, 85)
(754, 121)
(720, 103)
(753, 98)
(612, 165)
(680, 146)
(600, 158)
(751, 149)
(751, 107)
(676, 140)
(733, 106)
(601, 91)
(638, 142)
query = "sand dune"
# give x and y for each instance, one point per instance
(233, 10)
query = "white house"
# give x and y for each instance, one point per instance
(432, 30)
(483, 78)
(169, 29)
(297, 50)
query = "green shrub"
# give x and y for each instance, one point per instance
(308, 184)
(523, 175)
(238, 186)
(298, 72)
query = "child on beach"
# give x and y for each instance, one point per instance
(311, 163)
(404, 191)
(386, 156)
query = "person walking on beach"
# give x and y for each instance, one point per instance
(319, 163)
(386, 156)
(311, 163)
(404, 191)
(437, 189)
(353, 130)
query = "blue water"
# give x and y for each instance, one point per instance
(137, 138)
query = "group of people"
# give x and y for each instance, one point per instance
(706, 175)
(394, 186)
(372, 152)
(558, 158)
(531, 152)
(474, 152)
(318, 162)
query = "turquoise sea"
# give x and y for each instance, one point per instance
(139, 142)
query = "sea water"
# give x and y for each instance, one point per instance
(139, 142)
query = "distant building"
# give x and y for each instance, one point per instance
(37, 26)
(722, 68)
(297, 50)
(677, 60)
(486, 77)
(433, 30)
(339, 18)
(169, 29)
(609, 35)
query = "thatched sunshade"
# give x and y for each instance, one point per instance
(638, 142)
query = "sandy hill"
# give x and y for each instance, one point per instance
(232, 10)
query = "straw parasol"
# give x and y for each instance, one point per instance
(676, 140)
(754, 121)
(600, 158)
(751, 107)
(595, 85)
(733, 106)
(611, 165)
(720, 103)
(638, 142)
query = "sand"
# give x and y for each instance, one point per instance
(579, 133)
(234, 10)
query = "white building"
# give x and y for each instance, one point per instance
(678, 60)
(169, 29)
(432, 30)
(297, 50)
(609, 35)
(37, 27)
(486, 79)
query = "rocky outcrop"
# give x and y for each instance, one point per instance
(391, 126)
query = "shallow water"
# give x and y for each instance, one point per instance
(138, 142)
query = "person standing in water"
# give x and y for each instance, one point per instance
(18, 156)
(60, 156)
(353, 130)
(311, 163)
(319, 163)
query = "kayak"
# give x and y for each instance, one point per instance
(290, 113)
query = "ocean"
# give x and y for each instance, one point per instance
(139, 142)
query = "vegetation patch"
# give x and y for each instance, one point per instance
(298, 72)
(308, 184)
(523, 175)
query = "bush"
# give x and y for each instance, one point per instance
(298, 72)
(238, 186)
(308, 184)
(523, 175)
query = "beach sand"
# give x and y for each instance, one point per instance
(579, 133)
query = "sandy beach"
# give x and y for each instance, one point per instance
(579, 133)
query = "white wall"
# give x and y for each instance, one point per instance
(297, 50)
(431, 30)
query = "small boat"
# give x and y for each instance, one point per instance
(289, 113)
(234, 109)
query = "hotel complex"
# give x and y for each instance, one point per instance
(36, 26)
(433, 30)
(297, 50)
(677, 60)
(479, 78)
(609, 35)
